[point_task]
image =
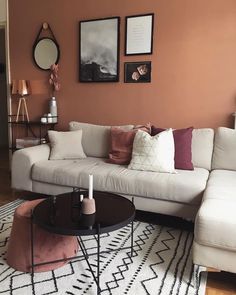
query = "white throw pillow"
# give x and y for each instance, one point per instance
(66, 145)
(224, 155)
(153, 153)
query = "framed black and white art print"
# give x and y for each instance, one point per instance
(137, 72)
(99, 50)
(139, 34)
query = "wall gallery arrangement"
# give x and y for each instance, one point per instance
(99, 48)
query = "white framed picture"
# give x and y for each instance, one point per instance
(139, 34)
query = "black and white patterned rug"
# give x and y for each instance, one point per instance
(161, 264)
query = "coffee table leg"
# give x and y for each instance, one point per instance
(132, 233)
(98, 261)
(132, 237)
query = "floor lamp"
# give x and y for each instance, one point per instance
(21, 87)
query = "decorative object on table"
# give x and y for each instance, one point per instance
(44, 119)
(99, 50)
(48, 119)
(137, 72)
(55, 86)
(53, 109)
(149, 247)
(21, 87)
(54, 78)
(87, 220)
(88, 204)
(46, 50)
(139, 34)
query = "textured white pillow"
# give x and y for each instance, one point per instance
(153, 153)
(66, 145)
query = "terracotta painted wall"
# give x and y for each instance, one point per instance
(194, 62)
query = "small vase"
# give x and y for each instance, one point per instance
(88, 206)
(53, 109)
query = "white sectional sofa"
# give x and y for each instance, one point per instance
(208, 191)
(173, 194)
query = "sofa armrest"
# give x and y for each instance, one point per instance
(22, 162)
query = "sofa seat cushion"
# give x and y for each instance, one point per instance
(221, 185)
(215, 224)
(183, 187)
(216, 219)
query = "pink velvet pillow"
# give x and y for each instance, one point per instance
(122, 144)
(183, 146)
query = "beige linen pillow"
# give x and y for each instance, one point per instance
(153, 153)
(66, 145)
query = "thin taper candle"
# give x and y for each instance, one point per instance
(90, 186)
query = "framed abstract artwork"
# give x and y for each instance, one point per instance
(137, 72)
(139, 34)
(99, 50)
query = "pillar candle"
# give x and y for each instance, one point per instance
(90, 186)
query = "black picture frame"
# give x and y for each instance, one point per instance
(99, 50)
(139, 34)
(137, 72)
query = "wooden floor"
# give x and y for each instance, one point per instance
(218, 283)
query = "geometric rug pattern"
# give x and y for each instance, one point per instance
(161, 264)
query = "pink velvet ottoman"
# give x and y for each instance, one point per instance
(47, 246)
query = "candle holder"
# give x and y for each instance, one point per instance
(88, 206)
(87, 220)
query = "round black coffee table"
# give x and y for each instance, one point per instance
(62, 215)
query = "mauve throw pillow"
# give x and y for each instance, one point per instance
(183, 146)
(122, 144)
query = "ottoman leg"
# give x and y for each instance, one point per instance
(32, 243)
(32, 250)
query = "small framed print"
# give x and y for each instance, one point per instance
(139, 34)
(138, 72)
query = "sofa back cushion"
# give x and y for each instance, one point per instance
(202, 147)
(224, 156)
(95, 138)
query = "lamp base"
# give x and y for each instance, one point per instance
(22, 106)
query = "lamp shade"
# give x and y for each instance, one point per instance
(21, 87)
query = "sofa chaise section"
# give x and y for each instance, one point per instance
(215, 224)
